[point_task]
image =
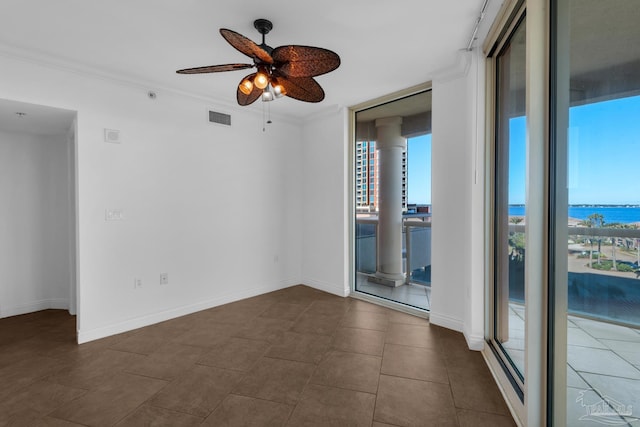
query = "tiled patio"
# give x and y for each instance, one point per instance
(603, 363)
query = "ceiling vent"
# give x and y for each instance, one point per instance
(220, 118)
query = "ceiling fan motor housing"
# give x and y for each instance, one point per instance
(263, 26)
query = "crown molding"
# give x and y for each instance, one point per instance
(328, 111)
(459, 69)
(49, 61)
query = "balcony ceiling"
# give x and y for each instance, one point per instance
(384, 46)
(409, 106)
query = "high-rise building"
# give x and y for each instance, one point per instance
(367, 177)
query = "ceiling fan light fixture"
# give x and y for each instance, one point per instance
(246, 86)
(278, 90)
(261, 80)
(267, 95)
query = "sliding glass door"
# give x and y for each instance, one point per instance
(595, 257)
(392, 194)
(509, 207)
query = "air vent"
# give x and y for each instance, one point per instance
(220, 118)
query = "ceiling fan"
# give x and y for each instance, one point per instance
(283, 71)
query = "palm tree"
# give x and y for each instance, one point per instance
(516, 219)
(597, 220)
(589, 223)
(614, 241)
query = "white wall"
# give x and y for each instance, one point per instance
(325, 260)
(457, 195)
(34, 227)
(183, 185)
(217, 208)
(457, 198)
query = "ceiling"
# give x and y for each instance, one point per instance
(384, 46)
(407, 106)
(35, 119)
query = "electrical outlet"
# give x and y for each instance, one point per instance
(137, 283)
(114, 215)
(164, 278)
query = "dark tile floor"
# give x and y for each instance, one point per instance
(295, 357)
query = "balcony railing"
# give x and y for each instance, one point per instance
(603, 273)
(416, 246)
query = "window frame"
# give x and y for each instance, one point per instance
(529, 408)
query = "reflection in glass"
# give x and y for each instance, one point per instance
(510, 207)
(598, 210)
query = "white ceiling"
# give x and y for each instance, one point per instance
(384, 46)
(35, 119)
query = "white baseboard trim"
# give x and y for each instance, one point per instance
(161, 316)
(59, 304)
(332, 288)
(446, 321)
(33, 306)
(475, 342)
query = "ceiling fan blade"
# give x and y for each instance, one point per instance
(214, 68)
(304, 61)
(246, 46)
(251, 98)
(302, 88)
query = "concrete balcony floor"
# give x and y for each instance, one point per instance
(603, 362)
(415, 295)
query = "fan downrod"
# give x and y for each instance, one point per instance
(263, 26)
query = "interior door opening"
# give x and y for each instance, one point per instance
(38, 213)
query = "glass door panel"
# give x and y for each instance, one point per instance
(596, 240)
(510, 203)
(392, 181)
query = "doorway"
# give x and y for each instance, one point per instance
(38, 214)
(392, 198)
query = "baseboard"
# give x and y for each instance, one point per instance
(153, 318)
(446, 321)
(475, 342)
(30, 307)
(59, 304)
(332, 288)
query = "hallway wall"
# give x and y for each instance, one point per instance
(34, 226)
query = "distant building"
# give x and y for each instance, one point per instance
(367, 177)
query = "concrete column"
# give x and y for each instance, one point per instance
(389, 145)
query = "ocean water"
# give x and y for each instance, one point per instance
(611, 214)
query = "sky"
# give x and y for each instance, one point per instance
(604, 154)
(419, 170)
